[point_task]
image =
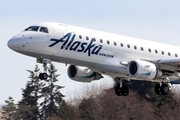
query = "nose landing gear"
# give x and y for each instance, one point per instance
(44, 75)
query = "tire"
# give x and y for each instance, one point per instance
(40, 76)
(117, 89)
(164, 89)
(44, 76)
(157, 89)
(125, 90)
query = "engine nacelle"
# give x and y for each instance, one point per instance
(143, 70)
(82, 74)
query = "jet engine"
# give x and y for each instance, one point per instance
(143, 70)
(82, 74)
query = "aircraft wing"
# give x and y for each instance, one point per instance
(169, 64)
(170, 67)
(173, 62)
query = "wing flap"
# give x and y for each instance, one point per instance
(169, 64)
(173, 62)
(166, 64)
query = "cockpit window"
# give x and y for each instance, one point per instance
(44, 29)
(32, 28)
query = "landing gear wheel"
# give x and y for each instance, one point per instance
(43, 76)
(118, 89)
(161, 89)
(157, 89)
(124, 90)
(164, 89)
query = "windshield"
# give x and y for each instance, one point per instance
(32, 28)
(37, 28)
(43, 29)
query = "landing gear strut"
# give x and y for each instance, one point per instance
(44, 75)
(120, 88)
(161, 89)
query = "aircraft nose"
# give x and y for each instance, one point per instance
(10, 44)
(13, 43)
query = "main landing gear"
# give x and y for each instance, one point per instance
(123, 90)
(162, 89)
(44, 75)
(120, 88)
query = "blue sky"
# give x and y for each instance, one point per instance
(152, 20)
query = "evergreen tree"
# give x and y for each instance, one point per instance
(69, 112)
(10, 110)
(89, 109)
(145, 89)
(52, 97)
(28, 106)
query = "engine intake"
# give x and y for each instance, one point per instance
(143, 70)
(82, 74)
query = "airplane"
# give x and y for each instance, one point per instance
(92, 54)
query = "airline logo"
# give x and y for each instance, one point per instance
(68, 43)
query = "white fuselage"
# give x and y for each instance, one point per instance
(99, 51)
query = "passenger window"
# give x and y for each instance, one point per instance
(87, 38)
(149, 50)
(156, 51)
(94, 39)
(169, 53)
(108, 42)
(115, 43)
(128, 46)
(162, 52)
(43, 29)
(32, 28)
(135, 47)
(101, 40)
(176, 55)
(80, 37)
(142, 48)
(121, 45)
